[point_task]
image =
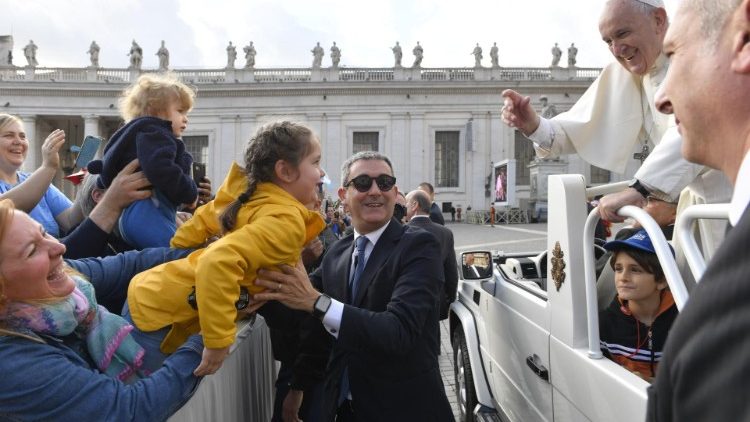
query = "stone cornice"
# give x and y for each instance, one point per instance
(304, 89)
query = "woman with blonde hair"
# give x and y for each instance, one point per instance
(62, 356)
(45, 203)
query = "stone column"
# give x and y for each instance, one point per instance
(91, 125)
(420, 146)
(397, 148)
(335, 137)
(34, 153)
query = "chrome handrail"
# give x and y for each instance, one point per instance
(684, 233)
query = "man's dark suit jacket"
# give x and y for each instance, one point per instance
(436, 215)
(705, 369)
(447, 256)
(388, 335)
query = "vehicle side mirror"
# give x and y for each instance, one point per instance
(476, 265)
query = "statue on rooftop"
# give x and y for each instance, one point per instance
(418, 52)
(335, 55)
(163, 54)
(495, 55)
(572, 53)
(136, 56)
(318, 53)
(397, 54)
(249, 56)
(231, 55)
(477, 52)
(30, 52)
(556, 55)
(94, 54)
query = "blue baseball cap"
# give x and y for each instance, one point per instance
(640, 240)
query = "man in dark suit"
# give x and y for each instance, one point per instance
(436, 214)
(705, 369)
(418, 215)
(375, 293)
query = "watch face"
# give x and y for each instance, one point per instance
(322, 305)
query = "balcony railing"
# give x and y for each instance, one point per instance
(279, 75)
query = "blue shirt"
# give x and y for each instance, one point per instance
(50, 206)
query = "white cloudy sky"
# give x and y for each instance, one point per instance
(284, 31)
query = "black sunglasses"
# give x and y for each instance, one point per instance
(363, 183)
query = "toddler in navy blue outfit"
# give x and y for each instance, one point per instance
(155, 111)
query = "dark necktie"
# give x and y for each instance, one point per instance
(359, 266)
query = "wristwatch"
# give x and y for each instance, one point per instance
(636, 184)
(321, 306)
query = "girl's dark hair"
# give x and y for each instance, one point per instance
(647, 260)
(276, 141)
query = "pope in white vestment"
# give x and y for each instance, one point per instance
(614, 119)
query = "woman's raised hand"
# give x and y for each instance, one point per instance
(51, 148)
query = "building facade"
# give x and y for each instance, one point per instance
(440, 125)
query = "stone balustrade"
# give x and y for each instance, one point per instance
(279, 75)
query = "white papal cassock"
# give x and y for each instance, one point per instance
(613, 119)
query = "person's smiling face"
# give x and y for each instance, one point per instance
(13, 145)
(372, 209)
(31, 262)
(633, 36)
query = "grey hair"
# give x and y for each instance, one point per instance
(423, 201)
(713, 15)
(84, 199)
(364, 155)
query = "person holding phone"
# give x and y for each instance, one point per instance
(155, 110)
(45, 203)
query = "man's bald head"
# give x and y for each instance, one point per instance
(417, 203)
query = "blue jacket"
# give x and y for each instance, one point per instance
(161, 155)
(51, 381)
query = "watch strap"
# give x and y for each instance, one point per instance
(636, 184)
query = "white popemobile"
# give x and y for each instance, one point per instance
(525, 333)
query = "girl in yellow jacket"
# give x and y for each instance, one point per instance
(259, 214)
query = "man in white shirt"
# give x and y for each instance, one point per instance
(379, 301)
(704, 370)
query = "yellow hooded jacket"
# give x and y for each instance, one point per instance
(271, 229)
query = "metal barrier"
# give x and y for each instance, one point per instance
(663, 252)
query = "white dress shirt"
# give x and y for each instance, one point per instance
(332, 318)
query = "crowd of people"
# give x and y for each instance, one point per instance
(105, 318)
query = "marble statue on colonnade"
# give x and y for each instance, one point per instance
(548, 110)
(556, 55)
(163, 54)
(231, 55)
(30, 52)
(249, 56)
(572, 53)
(418, 52)
(94, 54)
(136, 56)
(477, 52)
(495, 55)
(397, 54)
(335, 55)
(317, 53)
